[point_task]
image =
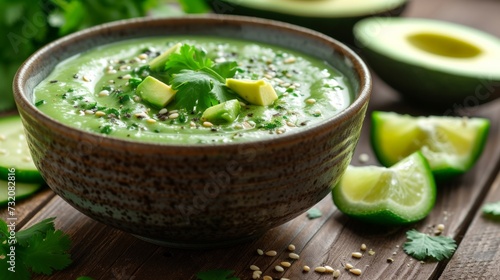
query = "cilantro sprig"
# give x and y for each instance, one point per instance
(200, 83)
(39, 249)
(422, 246)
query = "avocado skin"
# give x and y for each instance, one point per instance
(443, 91)
(336, 27)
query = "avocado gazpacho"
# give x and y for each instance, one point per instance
(182, 90)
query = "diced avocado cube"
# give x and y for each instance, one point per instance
(225, 112)
(258, 92)
(158, 62)
(155, 92)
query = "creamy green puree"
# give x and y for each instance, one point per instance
(96, 91)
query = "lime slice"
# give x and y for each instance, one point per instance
(451, 144)
(14, 152)
(401, 194)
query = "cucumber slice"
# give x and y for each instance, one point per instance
(12, 191)
(14, 152)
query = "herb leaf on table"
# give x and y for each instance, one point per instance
(38, 249)
(492, 209)
(422, 246)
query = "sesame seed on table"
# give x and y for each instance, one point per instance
(331, 246)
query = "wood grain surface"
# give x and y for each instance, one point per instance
(102, 252)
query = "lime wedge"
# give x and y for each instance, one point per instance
(451, 144)
(401, 194)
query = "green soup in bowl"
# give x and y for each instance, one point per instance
(169, 172)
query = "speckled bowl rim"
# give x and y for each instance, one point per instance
(358, 65)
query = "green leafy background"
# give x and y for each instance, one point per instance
(27, 25)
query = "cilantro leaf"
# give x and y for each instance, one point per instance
(226, 69)
(39, 249)
(189, 57)
(49, 252)
(422, 246)
(23, 236)
(492, 209)
(198, 90)
(216, 274)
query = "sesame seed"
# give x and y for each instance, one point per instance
(141, 115)
(127, 77)
(363, 158)
(2, 137)
(290, 60)
(306, 268)
(271, 253)
(285, 264)
(348, 266)
(279, 268)
(293, 256)
(291, 247)
(290, 124)
(151, 121)
(390, 260)
(357, 255)
(163, 111)
(267, 76)
(100, 114)
(137, 98)
(267, 278)
(193, 124)
(174, 111)
(355, 271)
(320, 269)
(254, 267)
(371, 252)
(112, 71)
(317, 112)
(3, 151)
(336, 274)
(143, 56)
(89, 112)
(310, 101)
(260, 252)
(86, 78)
(256, 274)
(124, 67)
(363, 247)
(280, 130)
(440, 227)
(329, 269)
(27, 159)
(173, 116)
(104, 93)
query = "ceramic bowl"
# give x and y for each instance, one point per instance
(202, 195)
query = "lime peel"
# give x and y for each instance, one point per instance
(402, 194)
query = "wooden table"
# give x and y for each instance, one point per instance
(102, 252)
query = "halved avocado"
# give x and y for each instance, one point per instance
(332, 17)
(436, 63)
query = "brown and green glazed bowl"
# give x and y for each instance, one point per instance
(193, 196)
